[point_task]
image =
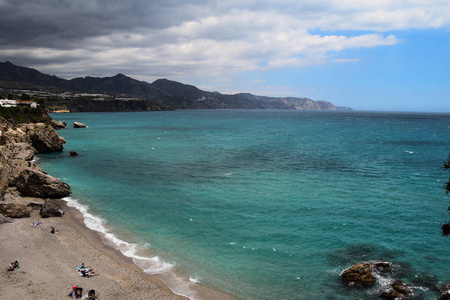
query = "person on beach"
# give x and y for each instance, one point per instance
(52, 230)
(16, 264)
(91, 295)
(38, 223)
(11, 267)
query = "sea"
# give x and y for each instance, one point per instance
(265, 204)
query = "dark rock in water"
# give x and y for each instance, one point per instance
(58, 124)
(13, 210)
(382, 266)
(445, 295)
(37, 184)
(73, 153)
(78, 125)
(51, 209)
(359, 275)
(399, 290)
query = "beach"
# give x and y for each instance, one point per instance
(48, 263)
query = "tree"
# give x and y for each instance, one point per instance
(446, 227)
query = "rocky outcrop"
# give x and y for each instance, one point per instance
(58, 124)
(33, 183)
(445, 295)
(45, 139)
(359, 275)
(79, 125)
(4, 219)
(51, 209)
(13, 210)
(399, 290)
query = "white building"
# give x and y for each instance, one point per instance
(8, 103)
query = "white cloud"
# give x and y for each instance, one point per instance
(172, 38)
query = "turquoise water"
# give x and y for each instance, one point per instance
(267, 204)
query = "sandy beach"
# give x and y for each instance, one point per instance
(48, 263)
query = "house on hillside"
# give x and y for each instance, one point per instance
(32, 104)
(8, 103)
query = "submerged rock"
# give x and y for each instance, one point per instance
(79, 125)
(73, 153)
(359, 275)
(382, 266)
(399, 290)
(38, 184)
(445, 295)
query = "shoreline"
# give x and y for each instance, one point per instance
(48, 263)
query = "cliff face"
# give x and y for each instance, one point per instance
(19, 144)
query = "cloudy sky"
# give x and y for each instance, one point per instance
(365, 54)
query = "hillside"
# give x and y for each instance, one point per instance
(162, 94)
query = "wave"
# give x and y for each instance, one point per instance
(151, 264)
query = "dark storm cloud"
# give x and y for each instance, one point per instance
(64, 23)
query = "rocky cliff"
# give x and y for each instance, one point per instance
(19, 175)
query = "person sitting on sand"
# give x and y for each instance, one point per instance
(52, 230)
(38, 223)
(16, 264)
(91, 295)
(11, 267)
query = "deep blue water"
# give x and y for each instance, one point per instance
(267, 204)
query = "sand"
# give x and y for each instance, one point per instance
(48, 263)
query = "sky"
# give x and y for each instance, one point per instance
(386, 55)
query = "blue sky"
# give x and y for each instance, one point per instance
(368, 55)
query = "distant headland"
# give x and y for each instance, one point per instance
(123, 93)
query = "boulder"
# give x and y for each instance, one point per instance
(445, 295)
(13, 210)
(78, 125)
(23, 151)
(51, 209)
(33, 183)
(73, 153)
(399, 290)
(58, 124)
(382, 266)
(4, 219)
(359, 275)
(45, 139)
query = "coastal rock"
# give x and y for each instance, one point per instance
(382, 266)
(45, 139)
(13, 210)
(399, 290)
(58, 124)
(16, 158)
(445, 295)
(73, 153)
(51, 209)
(33, 183)
(359, 275)
(4, 219)
(78, 125)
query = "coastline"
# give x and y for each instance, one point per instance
(48, 263)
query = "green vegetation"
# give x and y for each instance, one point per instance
(24, 114)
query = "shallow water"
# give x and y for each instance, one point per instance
(266, 204)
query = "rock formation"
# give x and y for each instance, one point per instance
(32, 183)
(359, 275)
(399, 290)
(51, 209)
(79, 125)
(445, 295)
(20, 177)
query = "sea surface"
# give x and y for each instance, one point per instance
(265, 204)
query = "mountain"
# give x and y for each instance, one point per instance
(164, 94)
